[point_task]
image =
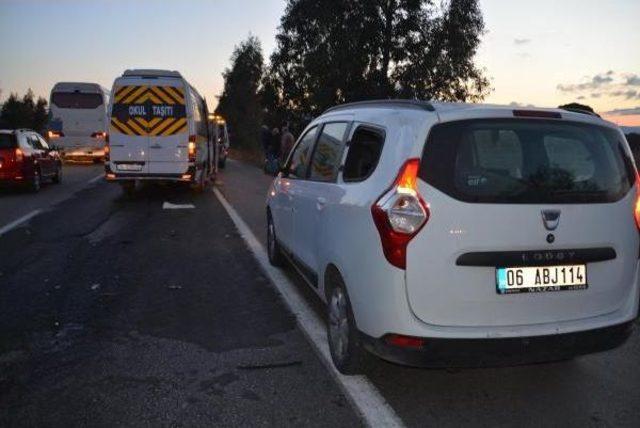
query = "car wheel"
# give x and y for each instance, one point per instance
(58, 177)
(273, 248)
(345, 346)
(36, 182)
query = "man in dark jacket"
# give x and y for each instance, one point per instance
(265, 140)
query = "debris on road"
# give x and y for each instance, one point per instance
(94, 287)
(174, 287)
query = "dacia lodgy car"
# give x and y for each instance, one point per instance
(455, 234)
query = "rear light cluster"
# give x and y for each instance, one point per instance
(19, 155)
(636, 210)
(107, 150)
(55, 134)
(192, 148)
(400, 213)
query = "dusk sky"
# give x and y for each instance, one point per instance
(542, 53)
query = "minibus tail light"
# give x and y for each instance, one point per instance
(192, 148)
(400, 213)
(19, 155)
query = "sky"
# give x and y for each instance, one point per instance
(543, 53)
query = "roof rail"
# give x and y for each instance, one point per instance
(581, 111)
(415, 104)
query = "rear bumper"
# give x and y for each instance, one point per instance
(187, 177)
(438, 352)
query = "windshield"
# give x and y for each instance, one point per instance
(7, 141)
(527, 161)
(76, 100)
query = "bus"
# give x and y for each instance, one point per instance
(78, 120)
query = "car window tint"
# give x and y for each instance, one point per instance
(42, 143)
(328, 153)
(363, 155)
(527, 162)
(7, 141)
(300, 157)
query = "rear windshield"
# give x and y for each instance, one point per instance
(76, 100)
(7, 141)
(527, 161)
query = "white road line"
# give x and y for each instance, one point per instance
(170, 206)
(95, 179)
(18, 222)
(367, 400)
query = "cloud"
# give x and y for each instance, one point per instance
(520, 42)
(596, 95)
(595, 82)
(624, 111)
(517, 104)
(581, 97)
(633, 80)
(628, 94)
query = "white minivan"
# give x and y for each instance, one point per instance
(159, 130)
(460, 234)
(78, 120)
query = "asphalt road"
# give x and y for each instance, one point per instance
(600, 390)
(117, 312)
(14, 203)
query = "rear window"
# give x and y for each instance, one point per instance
(527, 161)
(76, 100)
(7, 141)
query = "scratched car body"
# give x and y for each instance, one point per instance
(455, 234)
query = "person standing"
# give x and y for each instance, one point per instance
(275, 144)
(265, 140)
(287, 142)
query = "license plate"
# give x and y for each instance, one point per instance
(129, 167)
(541, 278)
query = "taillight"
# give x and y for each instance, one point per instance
(636, 210)
(404, 341)
(107, 150)
(19, 155)
(192, 148)
(99, 135)
(400, 213)
(55, 134)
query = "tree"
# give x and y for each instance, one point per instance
(338, 51)
(240, 101)
(577, 106)
(24, 113)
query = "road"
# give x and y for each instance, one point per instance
(115, 311)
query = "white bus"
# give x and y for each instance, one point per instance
(78, 120)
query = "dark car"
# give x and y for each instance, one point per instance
(26, 159)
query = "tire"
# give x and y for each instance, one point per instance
(273, 248)
(57, 179)
(345, 346)
(36, 182)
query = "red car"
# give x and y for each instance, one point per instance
(26, 159)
